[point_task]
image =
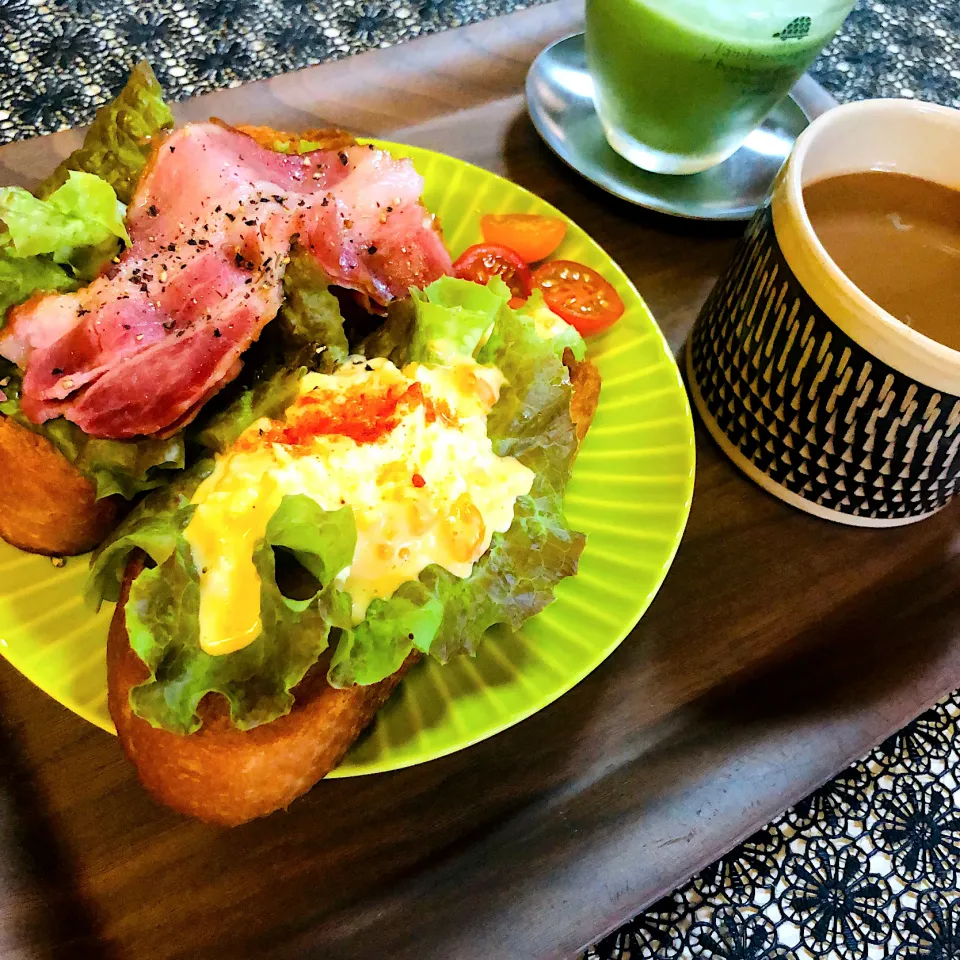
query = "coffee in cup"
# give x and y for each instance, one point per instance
(897, 237)
(806, 376)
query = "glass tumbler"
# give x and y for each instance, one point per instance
(680, 84)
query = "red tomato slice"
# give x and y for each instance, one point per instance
(531, 236)
(579, 295)
(484, 260)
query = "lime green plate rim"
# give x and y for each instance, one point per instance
(603, 651)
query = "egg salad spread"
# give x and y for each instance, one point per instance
(407, 450)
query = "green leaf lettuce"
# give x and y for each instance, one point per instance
(455, 318)
(310, 313)
(21, 278)
(124, 467)
(164, 603)
(266, 396)
(551, 327)
(121, 138)
(438, 614)
(156, 527)
(83, 212)
(75, 217)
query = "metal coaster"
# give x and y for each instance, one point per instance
(560, 102)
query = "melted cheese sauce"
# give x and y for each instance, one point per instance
(407, 451)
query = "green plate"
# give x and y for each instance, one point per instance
(630, 492)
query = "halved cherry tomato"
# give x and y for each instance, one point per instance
(484, 260)
(579, 295)
(530, 235)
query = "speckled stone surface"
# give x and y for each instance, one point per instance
(61, 59)
(906, 48)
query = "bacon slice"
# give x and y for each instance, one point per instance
(139, 350)
(369, 235)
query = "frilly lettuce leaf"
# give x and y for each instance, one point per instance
(83, 212)
(76, 216)
(124, 467)
(531, 420)
(322, 540)
(377, 647)
(20, 279)
(391, 339)
(553, 328)
(438, 614)
(121, 138)
(155, 526)
(53, 244)
(266, 397)
(310, 313)
(163, 625)
(453, 317)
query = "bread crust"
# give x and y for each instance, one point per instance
(585, 380)
(227, 776)
(46, 504)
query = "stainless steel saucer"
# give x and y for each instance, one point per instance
(560, 102)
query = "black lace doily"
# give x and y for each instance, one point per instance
(61, 59)
(865, 867)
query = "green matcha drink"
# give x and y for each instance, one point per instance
(680, 83)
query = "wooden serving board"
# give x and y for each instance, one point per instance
(780, 648)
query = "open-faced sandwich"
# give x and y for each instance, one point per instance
(401, 506)
(322, 501)
(136, 280)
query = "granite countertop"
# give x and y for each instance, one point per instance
(61, 59)
(905, 48)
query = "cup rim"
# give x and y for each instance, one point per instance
(794, 186)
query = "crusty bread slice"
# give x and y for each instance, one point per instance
(325, 138)
(227, 776)
(46, 504)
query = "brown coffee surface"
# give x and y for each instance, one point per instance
(897, 238)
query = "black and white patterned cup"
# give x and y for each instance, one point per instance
(816, 393)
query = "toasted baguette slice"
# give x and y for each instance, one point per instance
(46, 504)
(324, 138)
(227, 776)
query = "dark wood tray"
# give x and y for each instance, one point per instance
(780, 648)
